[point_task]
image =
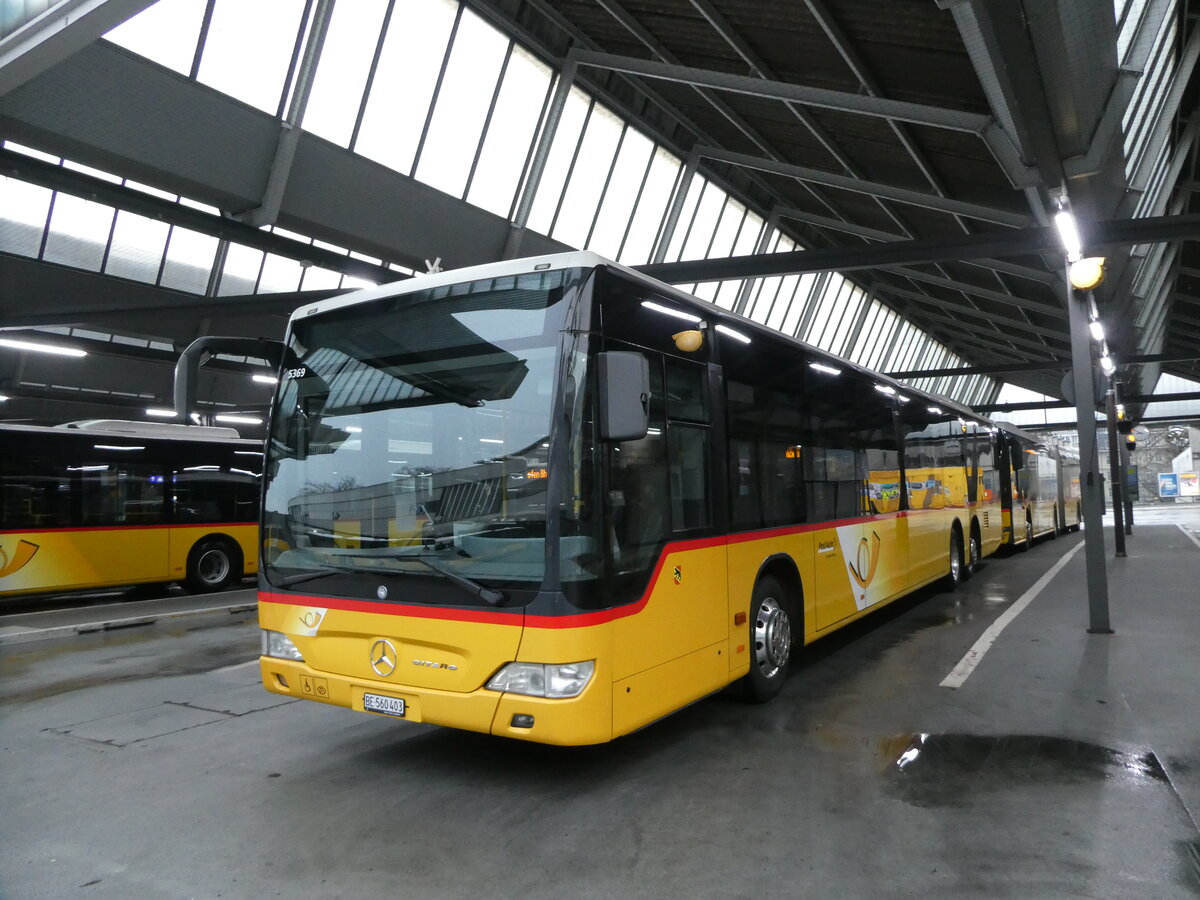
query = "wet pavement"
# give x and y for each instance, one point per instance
(148, 762)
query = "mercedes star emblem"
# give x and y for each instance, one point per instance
(383, 658)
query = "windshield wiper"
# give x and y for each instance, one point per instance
(311, 576)
(474, 588)
(487, 595)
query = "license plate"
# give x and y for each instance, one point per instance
(389, 706)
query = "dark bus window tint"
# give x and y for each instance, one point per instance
(686, 391)
(688, 465)
(120, 493)
(638, 501)
(213, 494)
(35, 493)
(938, 449)
(806, 445)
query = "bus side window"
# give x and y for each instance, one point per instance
(34, 495)
(639, 501)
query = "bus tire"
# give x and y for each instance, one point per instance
(212, 564)
(770, 640)
(974, 552)
(958, 566)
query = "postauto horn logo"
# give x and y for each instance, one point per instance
(22, 555)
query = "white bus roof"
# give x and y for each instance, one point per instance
(581, 259)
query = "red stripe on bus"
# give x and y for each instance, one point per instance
(574, 620)
(128, 527)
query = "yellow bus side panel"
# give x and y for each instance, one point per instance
(184, 538)
(84, 558)
(650, 695)
(686, 610)
(746, 559)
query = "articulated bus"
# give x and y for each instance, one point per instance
(1039, 480)
(555, 500)
(107, 503)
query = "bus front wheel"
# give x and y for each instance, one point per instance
(770, 640)
(211, 565)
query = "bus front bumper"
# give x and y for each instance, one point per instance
(586, 719)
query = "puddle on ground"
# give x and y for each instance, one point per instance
(946, 769)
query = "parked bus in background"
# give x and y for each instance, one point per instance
(108, 503)
(556, 500)
(1039, 487)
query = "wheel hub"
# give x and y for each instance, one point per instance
(772, 637)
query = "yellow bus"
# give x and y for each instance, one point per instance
(555, 500)
(107, 503)
(1039, 486)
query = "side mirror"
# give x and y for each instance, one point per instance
(624, 395)
(1017, 452)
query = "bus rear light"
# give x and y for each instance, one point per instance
(278, 645)
(556, 681)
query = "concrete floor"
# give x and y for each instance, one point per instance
(147, 762)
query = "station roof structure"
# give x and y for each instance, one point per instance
(877, 178)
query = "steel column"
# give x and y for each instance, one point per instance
(1114, 471)
(1089, 461)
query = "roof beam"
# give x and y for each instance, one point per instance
(959, 309)
(876, 234)
(871, 189)
(62, 29)
(79, 184)
(1020, 242)
(841, 101)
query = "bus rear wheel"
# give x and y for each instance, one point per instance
(974, 554)
(958, 569)
(770, 641)
(212, 564)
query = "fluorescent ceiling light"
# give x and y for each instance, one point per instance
(884, 389)
(667, 311)
(1097, 330)
(354, 429)
(1068, 233)
(490, 441)
(736, 335)
(3, 398)
(41, 348)
(162, 413)
(116, 447)
(936, 410)
(265, 379)
(1107, 364)
(821, 367)
(240, 420)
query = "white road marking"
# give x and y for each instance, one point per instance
(967, 664)
(1191, 537)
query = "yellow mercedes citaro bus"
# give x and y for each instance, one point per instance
(555, 500)
(107, 503)
(1039, 480)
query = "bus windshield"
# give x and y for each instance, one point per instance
(410, 443)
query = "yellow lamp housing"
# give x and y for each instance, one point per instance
(689, 341)
(1086, 273)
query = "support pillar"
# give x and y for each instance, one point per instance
(1114, 471)
(1090, 487)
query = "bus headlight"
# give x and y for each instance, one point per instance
(279, 645)
(552, 680)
